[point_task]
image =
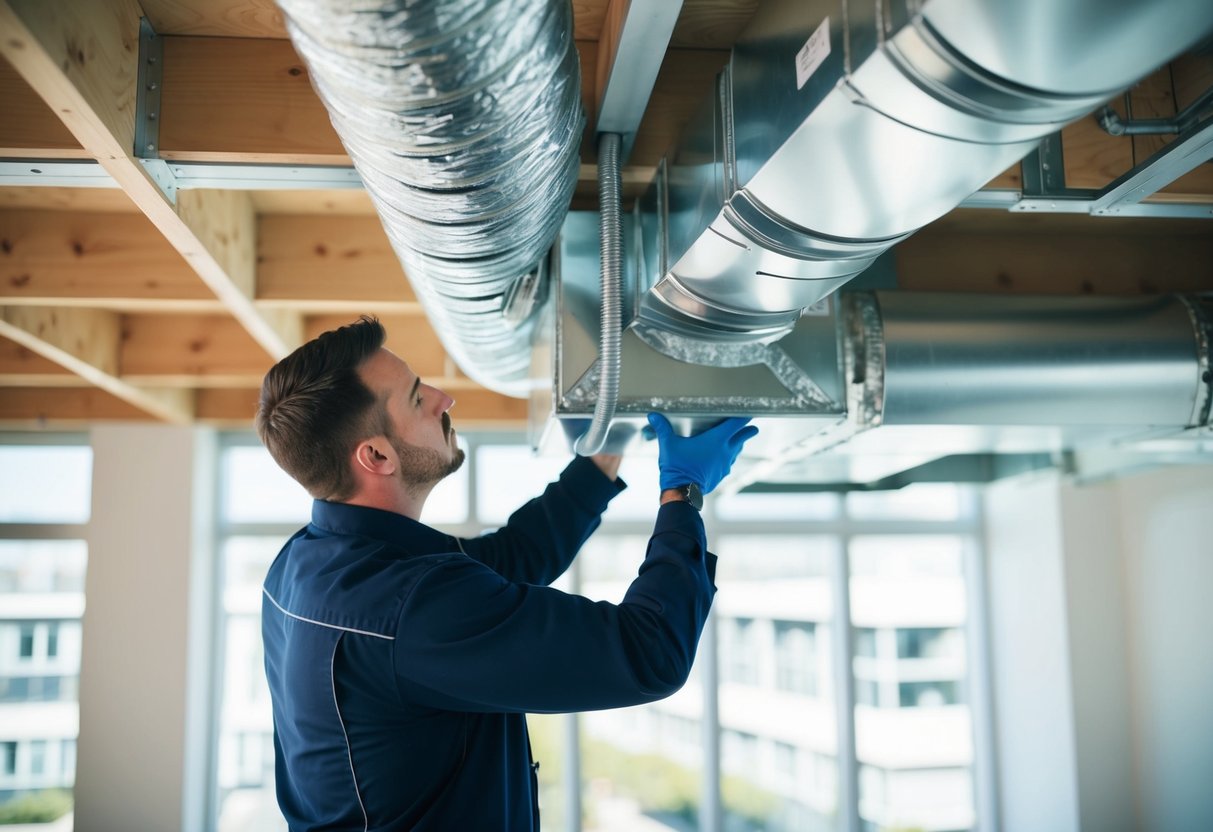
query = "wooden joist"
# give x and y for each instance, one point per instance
(87, 342)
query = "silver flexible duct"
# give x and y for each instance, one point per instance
(610, 345)
(463, 120)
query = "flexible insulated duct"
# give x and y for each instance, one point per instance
(463, 118)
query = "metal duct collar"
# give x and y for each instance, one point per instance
(463, 120)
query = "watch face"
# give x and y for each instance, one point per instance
(694, 496)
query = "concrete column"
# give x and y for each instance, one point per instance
(146, 658)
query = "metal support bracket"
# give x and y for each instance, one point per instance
(1168, 164)
(148, 92)
(1044, 181)
(1045, 191)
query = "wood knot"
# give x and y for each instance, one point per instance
(77, 248)
(6, 246)
(295, 71)
(19, 280)
(321, 250)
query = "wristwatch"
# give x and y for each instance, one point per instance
(690, 493)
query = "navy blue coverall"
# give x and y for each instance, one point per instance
(402, 661)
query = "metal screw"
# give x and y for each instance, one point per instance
(151, 116)
(152, 86)
(151, 146)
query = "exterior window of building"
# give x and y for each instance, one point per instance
(796, 657)
(45, 495)
(52, 640)
(929, 642)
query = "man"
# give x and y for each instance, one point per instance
(402, 661)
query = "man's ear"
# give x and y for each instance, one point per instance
(376, 456)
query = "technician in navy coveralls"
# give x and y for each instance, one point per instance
(402, 661)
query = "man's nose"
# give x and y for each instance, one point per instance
(444, 401)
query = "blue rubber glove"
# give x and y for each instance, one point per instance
(704, 459)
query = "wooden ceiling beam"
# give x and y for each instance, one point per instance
(81, 58)
(93, 259)
(339, 264)
(479, 409)
(31, 407)
(87, 342)
(30, 129)
(242, 100)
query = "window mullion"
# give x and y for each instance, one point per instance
(844, 711)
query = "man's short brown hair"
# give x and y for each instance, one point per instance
(315, 408)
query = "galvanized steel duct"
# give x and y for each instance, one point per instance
(463, 120)
(841, 127)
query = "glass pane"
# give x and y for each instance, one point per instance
(642, 766)
(256, 490)
(775, 610)
(41, 604)
(548, 736)
(246, 745)
(913, 729)
(921, 501)
(509, 475)
(45, 483)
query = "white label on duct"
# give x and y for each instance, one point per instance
(815, 50)
(819, 309)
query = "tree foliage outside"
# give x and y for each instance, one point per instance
(36, 807)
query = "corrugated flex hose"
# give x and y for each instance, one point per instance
(610, 337)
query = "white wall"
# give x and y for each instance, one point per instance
(1102, 669)
(1166, 522)
(142, 747)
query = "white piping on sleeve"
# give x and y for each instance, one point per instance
(349, 753)
(287, 612)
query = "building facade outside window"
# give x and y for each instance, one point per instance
(45, 495)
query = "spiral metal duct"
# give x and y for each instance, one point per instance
(463, 120)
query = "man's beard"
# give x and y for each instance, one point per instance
(423, 468)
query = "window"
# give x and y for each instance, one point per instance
(929, 643)
(45, 496)
(796, 657)
(740, 646)
(8, 758)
